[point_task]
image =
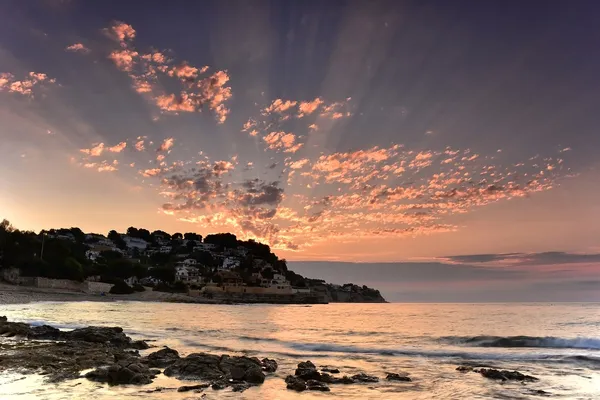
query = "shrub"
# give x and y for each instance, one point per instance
(120, 287)
(138, 288)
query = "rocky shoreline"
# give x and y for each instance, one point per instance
(108, 355)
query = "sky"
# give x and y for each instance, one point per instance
(407, 144)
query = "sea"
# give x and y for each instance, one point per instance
(557, 343)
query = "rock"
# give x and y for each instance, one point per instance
(295, 383)
(398, 377)
(254, 375)
(117, 374)
(464, 368)
(344, 380)
(362, 377)
(505, 375)
(198, 366)
(11, 329)
(162, 358)
(269, 365)
(330, 370)
(99, 334)
(139, 345)
(219, 385)
(237, 373)
(44, 332)
(307, 370)
(3, 319)
(316, 385)
(240, 387)
(193, 387)
(539, 392)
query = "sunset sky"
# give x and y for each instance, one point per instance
(350, 131)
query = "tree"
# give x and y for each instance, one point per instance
(120, 287)
(117, 240)
(78, 234)
(268, 273)
(177, 236)
(164, 274)
(192, 236)
(222, 239)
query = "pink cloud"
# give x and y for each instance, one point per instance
(121, 32)
(78, 48)
(171, 103)
(24, 86)
(117, 148)
(150, 172)
(156, 57)
(279, 106)
(94, 151)
(139, 145)
(308, 107)
(167, 144)
(124, 59)
(313, 127)
(283, 141)
(184, 72)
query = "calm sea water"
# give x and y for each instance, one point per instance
(428, 341)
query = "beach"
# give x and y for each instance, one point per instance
(554, 344)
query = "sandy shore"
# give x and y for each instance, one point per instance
(12, 294)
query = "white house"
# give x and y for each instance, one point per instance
(132, 280)
(278, 282)
(135, 243)
(92, 255)
(187, 274)
(229, 263)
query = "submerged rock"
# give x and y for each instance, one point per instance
(295, 383)
(330, 370)
(403, 377)
(269, 365)
(162, 358)
(307, 370)
(116, 374)
(312, 384)
(362, 377)
(505, 375)
(464, 368)
(193, 387)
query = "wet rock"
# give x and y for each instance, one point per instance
(199, 366)
(504, 375)
(219, 385)
(98, 334)
(44, 332)
(312, 384)
(269, 365)
(139, 345)
(11, 329)
(464, 368)
(117, 374)
(193, 387)
(3, 318)
(403, 377)
(240, 387)
(254, 375)
(362, 377)
(344, 380)
(162, 358)
(330, 370)
(307, 370)
(237, 373)
(295, 383)
(539, 392)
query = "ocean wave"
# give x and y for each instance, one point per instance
(526, 341)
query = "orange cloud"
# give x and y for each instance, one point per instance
(282, 140)
(121, 32)
(139, 145)
(150, 172)
(24, 86)
(308, 107)
(78, 48)
(124, 59)
(94, 151)
(167, 144)
(117, 148)
(279, 106)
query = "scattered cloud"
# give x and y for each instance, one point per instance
(78, 48)
(118, 147)
(282, 141)
(25, 86)
(167, 144)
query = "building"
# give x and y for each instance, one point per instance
(229, 263)
(135, 243)
(204, 247)
(187, 274)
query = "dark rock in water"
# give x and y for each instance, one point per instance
(254, 375)
(398, 377)
(219, 385)
(11, 329)
(505, 375)
(193, 387)
(464, 368)
(295, 383)
(539, 392)
(116, 374)
(139, 345)
(237, 373)
(312, 384)
(162, 358)
(307, 370)
(330, 370)
(269, 365)
(240, 387)
(98, 334)
(44, 332)
(362, 377)
(344, 380)
(196, 366)
(3, 318)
